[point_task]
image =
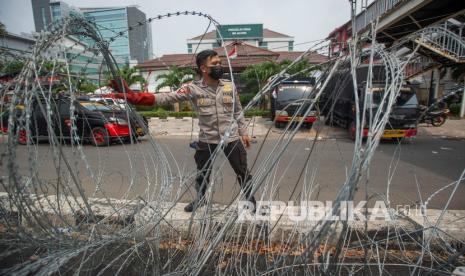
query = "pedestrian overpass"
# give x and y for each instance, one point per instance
(435, 27)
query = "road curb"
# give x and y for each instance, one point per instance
(65, 212)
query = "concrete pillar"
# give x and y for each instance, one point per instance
(431, 89)
(462, 106)
(436, 85)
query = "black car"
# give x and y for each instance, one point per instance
(338, 103)
(93, 122)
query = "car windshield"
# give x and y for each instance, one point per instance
(407, 98)
(290, 93)
(94, 106)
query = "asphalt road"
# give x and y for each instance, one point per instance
(413, 171)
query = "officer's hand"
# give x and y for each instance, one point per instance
(184, 89)
(246, 141)
(141, 98)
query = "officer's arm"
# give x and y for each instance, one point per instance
(182, 94)
(239, 116)
(143, 98)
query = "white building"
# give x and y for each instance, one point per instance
(252, 34)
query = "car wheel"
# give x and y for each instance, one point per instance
(100, 137)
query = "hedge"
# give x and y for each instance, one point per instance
(164, 114)
(245, 98)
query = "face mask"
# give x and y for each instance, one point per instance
(216, 72)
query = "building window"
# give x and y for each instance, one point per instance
(110, 23)
(44, 19)
(56, 12)
(189, 48)
(263, 44)
(291, 46)
(216, 45)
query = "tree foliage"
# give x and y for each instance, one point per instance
(129, 75)
(256, 76)
(11, 68)
(175, 77)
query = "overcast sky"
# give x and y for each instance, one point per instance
(305, 20)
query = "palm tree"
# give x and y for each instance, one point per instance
(129, 75)
(256, 75)
(175, 77)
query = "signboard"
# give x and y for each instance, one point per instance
(240, 31)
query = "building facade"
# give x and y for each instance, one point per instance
(251, 34)
(134, 46)
(79, 61)
(246, 55)
(17, 45)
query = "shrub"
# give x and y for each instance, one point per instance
(257, 112)
(145, 108)
(245, 98)
(164, 114)
(455, 109)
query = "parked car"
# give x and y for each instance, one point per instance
(94, 122)
(109, 101)
(118, 104)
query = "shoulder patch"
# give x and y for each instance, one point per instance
(227, 87)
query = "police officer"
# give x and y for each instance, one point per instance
(219, 112)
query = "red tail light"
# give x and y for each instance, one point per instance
(115, 130)
(68, 123)
(411, 132)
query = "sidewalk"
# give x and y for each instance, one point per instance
(65, 213)
(452, 128)
(258, 126)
